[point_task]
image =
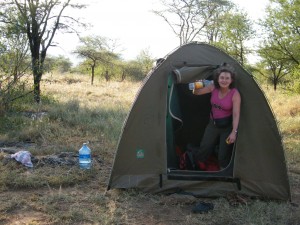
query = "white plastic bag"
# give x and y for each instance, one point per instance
(23, 157)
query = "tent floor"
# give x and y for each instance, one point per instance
(174, 174)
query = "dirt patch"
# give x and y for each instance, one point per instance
(30, 217)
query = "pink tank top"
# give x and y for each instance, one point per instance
(221, 107)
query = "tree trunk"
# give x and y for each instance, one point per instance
(106, 76)
(275, 86)
(37, 92)
(93, 74)
(123, 76)
(37, 87)
(37, 60)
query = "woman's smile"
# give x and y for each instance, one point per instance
(225, 79)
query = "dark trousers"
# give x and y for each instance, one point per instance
(212, 138)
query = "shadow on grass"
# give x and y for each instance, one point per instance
(56, 127)
(62, 127)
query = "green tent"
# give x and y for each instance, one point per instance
(166, 115)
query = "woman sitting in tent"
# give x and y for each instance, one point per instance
(224, 117)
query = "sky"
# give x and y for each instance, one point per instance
(135, 28)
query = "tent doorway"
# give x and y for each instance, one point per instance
(187, 118)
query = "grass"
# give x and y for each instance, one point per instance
(287, 111)
(73, 112)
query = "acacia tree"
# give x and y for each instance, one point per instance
(59, 63)
(282, 29)
(145, 61)
(97, 50)
(213, 30)
(40, 21)
(276, 67)
(13, 58)
(234, 33)
(14, 63)
(192, 19)
(280, 50)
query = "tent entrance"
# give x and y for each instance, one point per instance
(187, 118)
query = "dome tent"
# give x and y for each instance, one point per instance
(165, 115)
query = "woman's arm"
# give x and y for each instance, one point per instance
(236, 99)
(204, 90)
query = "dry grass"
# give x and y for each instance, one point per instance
(77, 112)
(287, 111)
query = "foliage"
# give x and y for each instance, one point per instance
(11, 91)
(296, 86)
(234, 33)
(137, 69)
(39, 21)
(294, 83)
(14, 63)
(216, 22)
(190, 20)
(134, 70)
(59, 64)
(214, 29)
(14, 58)
(103, 62)
(280, 49)
(145, 61)
(96, 51)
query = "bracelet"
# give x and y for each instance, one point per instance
(235, 131)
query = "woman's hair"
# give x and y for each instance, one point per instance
(224, 68)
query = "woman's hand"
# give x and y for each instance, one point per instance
(231, 138)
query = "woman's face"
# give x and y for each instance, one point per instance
(225, 79)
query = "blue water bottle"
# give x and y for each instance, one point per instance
(85, 157)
